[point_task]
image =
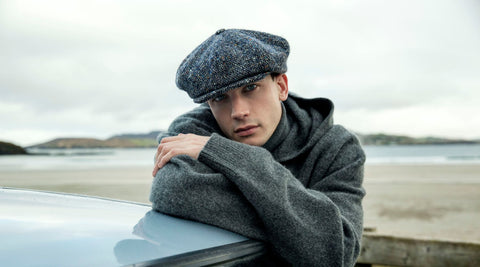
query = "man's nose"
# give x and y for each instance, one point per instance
(240, 108)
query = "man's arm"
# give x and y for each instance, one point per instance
(316, 226)
(321, 225)
(189, 189)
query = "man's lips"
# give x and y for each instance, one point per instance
(246, 130)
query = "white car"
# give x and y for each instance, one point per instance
(56, 229)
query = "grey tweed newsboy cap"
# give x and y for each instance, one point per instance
(230, 59)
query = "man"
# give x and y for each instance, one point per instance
(257, 161)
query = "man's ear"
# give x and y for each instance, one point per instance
(282, 82)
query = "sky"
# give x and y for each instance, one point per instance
(100, 68)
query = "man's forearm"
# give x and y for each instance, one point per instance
(311, 227)
(189, 189)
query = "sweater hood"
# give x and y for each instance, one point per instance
(304, 122)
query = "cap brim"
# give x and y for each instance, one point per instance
(220, 91)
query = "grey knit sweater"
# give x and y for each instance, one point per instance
(301, 192)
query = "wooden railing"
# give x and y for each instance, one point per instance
(401, 251)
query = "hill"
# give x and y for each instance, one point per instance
(97, 143)
(139, 140)
(10, 149)
(150, 135)
(386, 139)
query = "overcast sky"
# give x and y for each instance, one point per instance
(98, 68)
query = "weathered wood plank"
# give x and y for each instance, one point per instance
(400, 251)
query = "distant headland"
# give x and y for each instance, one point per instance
(11, 149)
(148, 140)
(388, 139)
(117, 141)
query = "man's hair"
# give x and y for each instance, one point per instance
(274, 75)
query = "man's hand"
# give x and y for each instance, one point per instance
(182, 144)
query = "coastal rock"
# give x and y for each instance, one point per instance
(10, 149)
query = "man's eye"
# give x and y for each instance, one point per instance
(250, 87)
(219, 98)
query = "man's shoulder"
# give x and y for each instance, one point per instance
(313, 101)
(343, 133)
(323, 130)
(323, 106)
(199, 120)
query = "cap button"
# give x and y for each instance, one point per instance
(220, 31)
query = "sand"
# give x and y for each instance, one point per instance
(131, 184)
(422, 201)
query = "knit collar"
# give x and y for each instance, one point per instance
(303, 124)
(280, 132)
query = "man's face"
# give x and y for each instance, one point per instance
(250, 114)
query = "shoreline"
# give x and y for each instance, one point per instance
(412, 200)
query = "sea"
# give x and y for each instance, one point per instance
(70, 159)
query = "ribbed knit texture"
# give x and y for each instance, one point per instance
(301, 192)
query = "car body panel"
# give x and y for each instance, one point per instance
(55, 229)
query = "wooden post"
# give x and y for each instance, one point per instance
(400, 251)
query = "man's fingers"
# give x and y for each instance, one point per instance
(164, 157)
(159, 161)
(161, 151)
(172, 138)
(182, 144)
(155, 170)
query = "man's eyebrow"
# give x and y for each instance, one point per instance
(256, 82)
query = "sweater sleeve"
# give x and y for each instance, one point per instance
(316, 226)
(189, 189)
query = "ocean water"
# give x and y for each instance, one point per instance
(59, 159)
(68, 159)
(423, 154)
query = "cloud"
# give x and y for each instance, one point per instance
(98, 68)
(428, 120)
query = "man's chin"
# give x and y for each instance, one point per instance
(251, 140)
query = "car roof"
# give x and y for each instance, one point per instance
(57, 229)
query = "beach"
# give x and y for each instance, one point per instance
(125, 183)
(424, 201)
(431, 201)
